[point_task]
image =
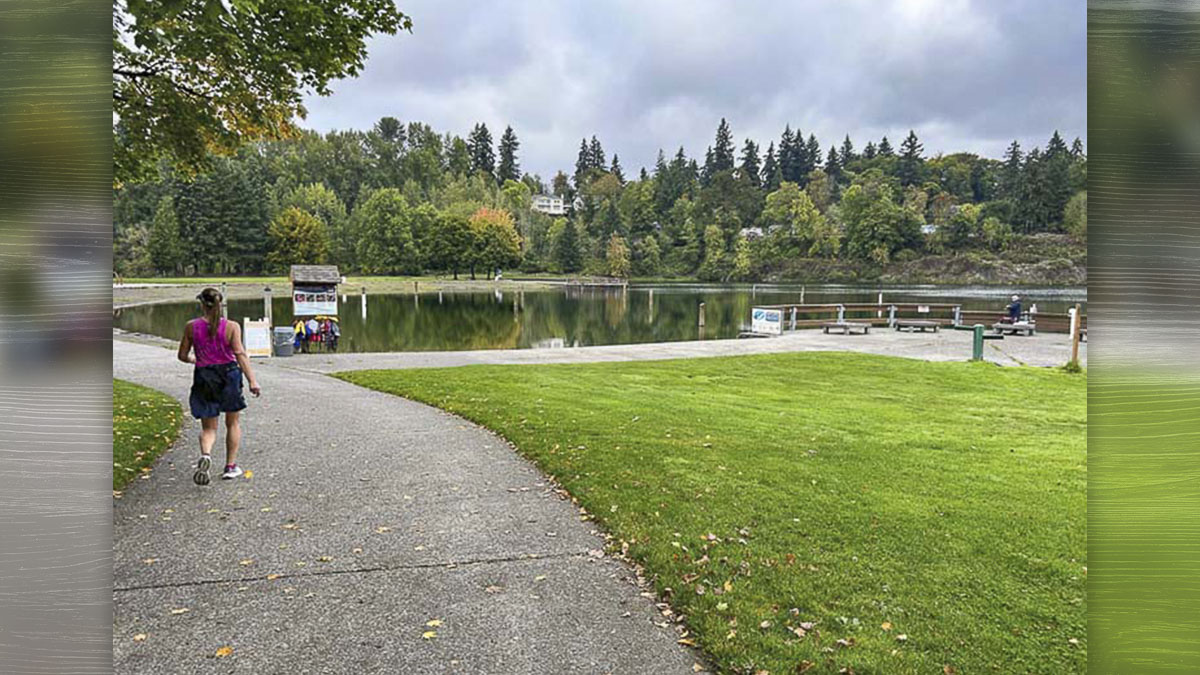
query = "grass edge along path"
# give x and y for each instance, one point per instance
(820, 511)
(145, 423)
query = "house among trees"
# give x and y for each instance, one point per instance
(550, 204)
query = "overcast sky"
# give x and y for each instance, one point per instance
(644, 74)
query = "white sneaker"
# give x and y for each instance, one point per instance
(232, 471)
(201, 475)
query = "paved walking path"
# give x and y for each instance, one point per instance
(367, 517)
(1044, 349)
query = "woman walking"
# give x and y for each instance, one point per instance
(220, 360)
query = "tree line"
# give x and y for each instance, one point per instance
(405, 199)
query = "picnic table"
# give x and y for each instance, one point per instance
(846, 327)
(917, 324)
(1015, 328)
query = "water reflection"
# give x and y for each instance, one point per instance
(575, 317)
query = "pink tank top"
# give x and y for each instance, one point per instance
(211, 351)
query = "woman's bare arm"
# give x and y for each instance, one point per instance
(185, 345)
(239, 353)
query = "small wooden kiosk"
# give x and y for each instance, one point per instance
(314, 290)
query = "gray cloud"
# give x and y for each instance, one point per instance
(966, 75)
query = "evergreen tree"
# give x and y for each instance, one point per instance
(582, 163)
(616, 170)
(833, 164)
(847, 154)
(911, 164)
(643, 176)
(771, 177)
(788, 165)
(1077, 149)
(1057, 147)
(458, 159)
(750, 166)
(483, 159)
(596, 155)
(1011, 174)
(709, 167)
(1057, 175)
(1033, 203)
(885, 148)
(509, 169)
(660, 166)
(722, 151)
(165, 246)
(812, 158)
(568, 252)
(869, 150)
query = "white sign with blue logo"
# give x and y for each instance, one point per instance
(766, 321)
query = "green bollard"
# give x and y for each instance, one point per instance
(977, 349)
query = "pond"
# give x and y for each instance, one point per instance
(562, 317)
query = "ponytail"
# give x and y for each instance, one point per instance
(210, 299)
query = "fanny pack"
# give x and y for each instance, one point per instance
(210, 380)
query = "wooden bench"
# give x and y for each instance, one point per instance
(917, 324)
(846, 327)
(1015, 328)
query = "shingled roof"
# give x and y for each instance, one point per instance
(315, 274)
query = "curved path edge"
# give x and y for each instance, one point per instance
(376, 534)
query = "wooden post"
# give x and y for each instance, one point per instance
(267, 313)
(1075, 334)
(224, 301)
(793, 318)
(416, 287)
(702, 315)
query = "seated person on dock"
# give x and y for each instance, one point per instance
(1014, 309)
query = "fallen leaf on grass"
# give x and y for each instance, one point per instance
(887, 625)
(765, 624)
(224, 651)
(949, 670)
(901, 638)
(804, 666)
(697, 668)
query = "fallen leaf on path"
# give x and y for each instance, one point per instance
(325, 558)
(433, 623)
(180, 610)
(150, 561)
(246, 562)
(697, 668)
(272, 577)
(382, 529)
(249, 474)
(539, 577)
(429, 634)
(224, 651)
(140, 637)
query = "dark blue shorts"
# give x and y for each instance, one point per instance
(216, 389)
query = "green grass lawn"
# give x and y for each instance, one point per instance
(905, 516)
(145, 422)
